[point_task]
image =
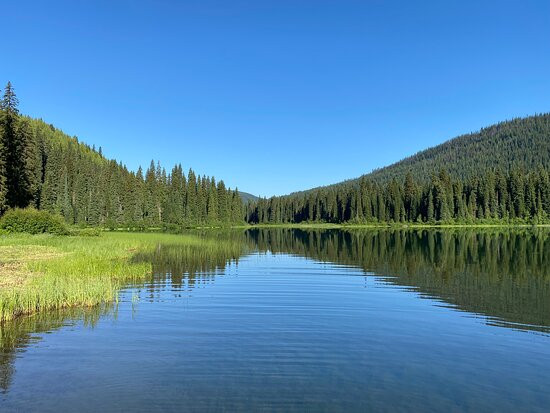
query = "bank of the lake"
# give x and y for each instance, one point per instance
(400, 225)
(300, 320)
(40, 272)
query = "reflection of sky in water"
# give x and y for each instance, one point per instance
(282, 332)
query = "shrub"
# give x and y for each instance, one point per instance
(171, 228)
(32, 221)
(88, 232)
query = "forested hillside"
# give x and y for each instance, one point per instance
(521, 142)
(41, 166)
(500, 173)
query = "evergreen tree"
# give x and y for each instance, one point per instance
(3, 171)
(15, 144)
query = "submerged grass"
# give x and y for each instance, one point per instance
(39, 272)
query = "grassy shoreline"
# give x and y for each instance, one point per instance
(40, 272)
(44, 272)
(353, 226)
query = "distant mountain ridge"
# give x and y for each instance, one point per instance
(246, 197)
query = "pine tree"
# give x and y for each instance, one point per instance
(191, 209)
(431, 210)
(223, 204)
(212, 204)
(15, 143)
(151, 212)
(410, 191)
(236, 207)
(139, 198)
(3, 172)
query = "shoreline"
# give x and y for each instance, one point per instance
(41, 272)
(48, 272)
(393, 226)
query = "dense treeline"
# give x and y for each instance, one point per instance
(40, 166)
(515, 196)
(522, 143)
(499, 173)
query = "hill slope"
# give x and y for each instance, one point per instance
(72, 179)
(499, 173)
(524, 142)
(246, 197)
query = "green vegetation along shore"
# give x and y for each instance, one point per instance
(46, 271)
(402, 225)
(62, 193)
(50, 272)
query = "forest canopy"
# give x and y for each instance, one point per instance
(500, 174)
(518, 196)
(497, 174)
(42, 167)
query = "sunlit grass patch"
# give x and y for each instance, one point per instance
(51, 272)
(14, 260)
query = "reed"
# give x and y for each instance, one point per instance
(39, 272)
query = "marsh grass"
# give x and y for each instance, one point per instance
(13, 259)
(40, 272)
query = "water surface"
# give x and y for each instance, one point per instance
(304, 321)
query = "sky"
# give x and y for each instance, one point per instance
(275, 96)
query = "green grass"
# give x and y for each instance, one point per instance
(39, 272)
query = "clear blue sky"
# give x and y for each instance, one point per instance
(278, 96)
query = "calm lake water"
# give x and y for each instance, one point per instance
(304, 321)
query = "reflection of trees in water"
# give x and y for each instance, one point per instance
(502, 274)
(16, 335)
(182, 264)
(188, 266)
(505, 275)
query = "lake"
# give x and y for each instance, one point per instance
(321, 320)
